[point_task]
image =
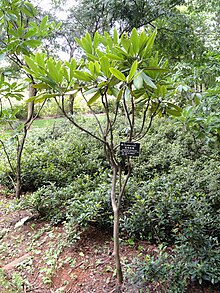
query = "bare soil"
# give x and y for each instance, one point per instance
(37, 253)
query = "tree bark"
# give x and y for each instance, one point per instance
(21, 142)
(116, 209)
(71, 103)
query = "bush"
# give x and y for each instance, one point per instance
(162, 272)
(57, 203)
(173, 270)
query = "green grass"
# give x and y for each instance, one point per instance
(41, 123)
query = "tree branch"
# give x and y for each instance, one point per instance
(71, 119)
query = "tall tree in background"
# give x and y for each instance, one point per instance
(187, 30)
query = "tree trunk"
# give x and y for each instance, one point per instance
(71, 103)
(18, 167)
(116, 247)
(116, 209)
(21, 143)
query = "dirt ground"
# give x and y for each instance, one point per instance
(34, 258)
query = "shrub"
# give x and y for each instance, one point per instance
(57, 203)
(162, 272)
(59, 155)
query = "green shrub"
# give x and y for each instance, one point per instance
(162, 272)
(59, 157)
(61, 203)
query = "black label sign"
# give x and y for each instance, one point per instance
(129, 149)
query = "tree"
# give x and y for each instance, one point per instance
(124, 71)
(21, 34)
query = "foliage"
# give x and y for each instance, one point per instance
(13, 286)
(173, 270)
(60, 158)
(203, 119)
(162, 270)
(177, 178)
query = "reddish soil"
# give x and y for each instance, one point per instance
(48, 266)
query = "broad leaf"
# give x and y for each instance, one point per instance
(132, 71)
(94, 98)
(135, 40)
(148, 80)
(82, 75)
(138, 81)
(105, 64)
(118, 74)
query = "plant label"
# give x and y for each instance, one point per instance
(129, 149)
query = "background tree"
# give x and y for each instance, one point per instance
(21, 34)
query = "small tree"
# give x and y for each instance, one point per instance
(21, 34)
(120, 70)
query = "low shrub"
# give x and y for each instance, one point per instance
(162, 272)
(60, 203)
(173, 270)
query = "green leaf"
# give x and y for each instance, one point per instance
(148, 80)
(31, 64)
(132, 71)
(149, 44)
(96, 40)
(92, 57)
(99, 53)
(97, 67)
(86, 47)
(40, 59)
(65, 73)
(43, 97)
(142, 41)
(32, 43)
(94, 98)
(135, 40)
(138, 81)
(118, 74)
(151, 40)
(82, 75)
(20, 32)
(125, 42)
(120, 94)
(115, 36)
(114, 57)
(173, 112)
(79, 42)
(91, 91)
(40, 86)
(30, 33)
(91, 67)
(44, 22)
(13, 45)
(86, 44)
(105, 65)
(54, 71)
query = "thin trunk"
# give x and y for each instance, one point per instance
(115, 207)
(116, 247)
(71, 103)
(18, 168)
(21, 143)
